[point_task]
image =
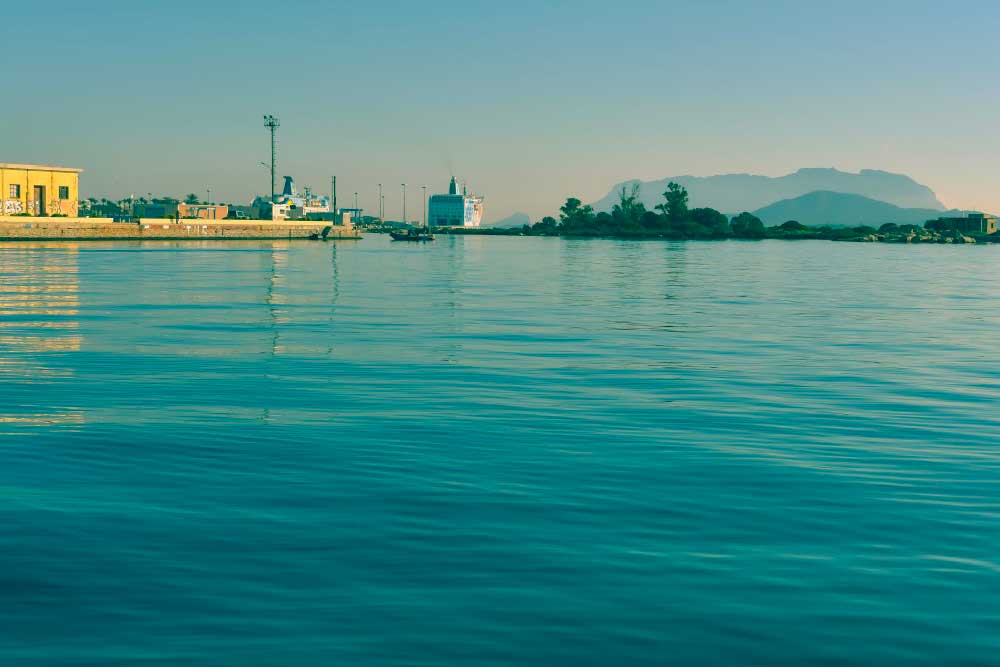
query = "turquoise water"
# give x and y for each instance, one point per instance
(497, 451)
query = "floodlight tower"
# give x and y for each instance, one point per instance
(272, 124)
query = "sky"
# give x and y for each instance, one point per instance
(529, 102)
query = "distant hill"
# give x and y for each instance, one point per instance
(746, 192)
(516, 220)
(844, 210)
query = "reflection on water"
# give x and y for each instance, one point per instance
(39, 325)
(294, 453)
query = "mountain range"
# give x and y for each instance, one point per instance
(839, 209)
(814, 196)
(747, 192)
(514, 220)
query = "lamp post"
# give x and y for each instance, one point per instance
(404, 203)
(356, 204)
(380, 199)
(424, 188)
(272, 124)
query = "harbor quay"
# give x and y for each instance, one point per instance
(41, 202)
(15, 228)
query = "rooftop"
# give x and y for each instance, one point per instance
(39, 167)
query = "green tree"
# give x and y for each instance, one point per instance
(676, 206)
(191, 199)
(547, 226)
(652, 222)
(571, 209)
(747, 226)
(716, 223)
(627, 213)
(577, 219)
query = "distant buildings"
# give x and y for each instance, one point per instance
(203, 211)
(158, 209)
(975, 223)
(36, 189)
(290, 205)
(454, 209)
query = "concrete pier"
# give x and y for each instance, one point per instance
(16, 228)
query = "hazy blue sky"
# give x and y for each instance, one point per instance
(529, 101)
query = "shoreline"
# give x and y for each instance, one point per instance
(934, 238)
(18, 228)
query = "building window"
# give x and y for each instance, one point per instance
(63, 192)
(15, 191)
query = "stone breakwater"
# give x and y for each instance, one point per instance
(104, 229)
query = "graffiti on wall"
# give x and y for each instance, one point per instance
(53, 207)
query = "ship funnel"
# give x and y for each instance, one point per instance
(289, 190)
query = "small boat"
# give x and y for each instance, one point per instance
(413, 235)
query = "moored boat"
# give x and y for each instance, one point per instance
(412, 235)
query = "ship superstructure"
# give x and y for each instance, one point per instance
(290, 204)
(455, 209)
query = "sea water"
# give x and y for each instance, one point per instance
(499, 451)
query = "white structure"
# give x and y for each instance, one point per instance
(454, 209)
(290, 205)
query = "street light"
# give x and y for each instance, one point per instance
(424, 188)
(272, 124)
(380, 200)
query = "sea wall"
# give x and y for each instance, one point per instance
(102, 229)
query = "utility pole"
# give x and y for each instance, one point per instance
(333, 195)
(381, 200)
(272, 124)
(404, 203)
(356, 204)
(424, 188)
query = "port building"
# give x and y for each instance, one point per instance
(203, 211)
(455, 209)
(974, 223)
(40, 190)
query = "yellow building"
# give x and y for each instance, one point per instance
(38, 189)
